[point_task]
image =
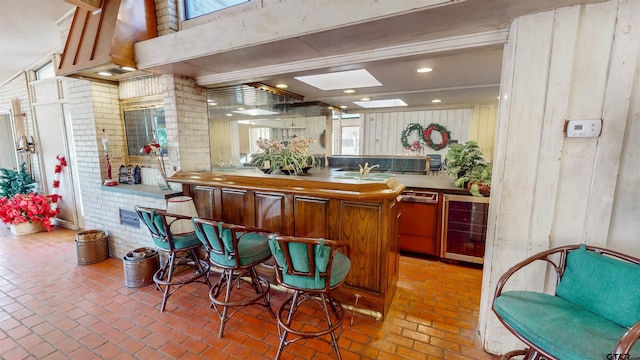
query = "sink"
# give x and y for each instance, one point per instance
(371, 175)
(356, 176)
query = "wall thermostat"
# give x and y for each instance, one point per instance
(583, 128)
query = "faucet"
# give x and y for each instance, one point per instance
(364, 171)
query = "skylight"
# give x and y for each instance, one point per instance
(255, 112)
(351, 79)
(380, 103)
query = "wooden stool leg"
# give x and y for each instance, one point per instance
(259, 288)
(169, 275)
(284, 333)
(334, 338)
(198, 264)
(223, 318)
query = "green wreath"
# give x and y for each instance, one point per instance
(444, 133)
(406, 132)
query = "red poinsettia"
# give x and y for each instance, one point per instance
(28, 208)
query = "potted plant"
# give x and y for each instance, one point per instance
(467, 165)
(27, 213)
(292, 158)
(14, 182)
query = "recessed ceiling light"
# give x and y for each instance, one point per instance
(344, 107)
(104, 73)
(255, 112)
(380, 103)
(352, 79)
(240, 109)
(436, 101)
(349, 91)
(127, 68)
(282, 86)
(229, 114)
(365, 99)
(213, 103)
(424, 70)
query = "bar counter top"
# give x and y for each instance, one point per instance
(318, 179)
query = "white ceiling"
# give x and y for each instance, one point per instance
(28, 32)
(463, 77)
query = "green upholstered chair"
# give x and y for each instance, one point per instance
(311, 268)
(236, 250)
(594, 314)
(181, 251)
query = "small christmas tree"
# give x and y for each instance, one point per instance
(14, 182)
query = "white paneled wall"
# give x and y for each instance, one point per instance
(382, 130)
(580, 62)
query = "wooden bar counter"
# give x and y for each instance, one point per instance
(363, 214)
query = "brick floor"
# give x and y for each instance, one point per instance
(51, 308)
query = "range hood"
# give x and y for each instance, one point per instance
(100, 42)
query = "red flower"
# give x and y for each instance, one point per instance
(28, 207)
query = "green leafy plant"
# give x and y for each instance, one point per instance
(14, 182)
(294, 157)
(467, 165)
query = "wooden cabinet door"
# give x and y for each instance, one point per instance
(271, 210)
(418, 227)
(361, 230)
(203, 198)
(236, 207)
(311, 217)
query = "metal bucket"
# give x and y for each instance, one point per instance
(139, 267)
(92, 246)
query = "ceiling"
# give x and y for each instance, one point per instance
(458, 78)
(464, 77)
(28, 32)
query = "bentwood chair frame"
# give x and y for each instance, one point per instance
(534, 352)
(234, 272)
(300, 295)
(164, 276)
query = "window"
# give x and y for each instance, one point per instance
(143, 126)
(46, 71)
(350, 140)
(195, 8)
(346, 134)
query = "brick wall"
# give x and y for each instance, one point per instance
(186, 113)
(95, 106)
(167, 15)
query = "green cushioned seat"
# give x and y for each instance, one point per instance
(340, 269)
(253, 248)
(560, 327)
(608, 287)
(183, 241)
(300, 261)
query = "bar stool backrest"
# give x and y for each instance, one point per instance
(221, 238)
(306, 257)
(155, 220)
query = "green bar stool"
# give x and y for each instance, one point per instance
(159, 222)
(236, 250)
(311, 268)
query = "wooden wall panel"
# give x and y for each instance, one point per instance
(360, 229)
(381, 133)
(549, 190)
(311, 217)
(270, 211)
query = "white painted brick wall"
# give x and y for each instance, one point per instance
(166, 16)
